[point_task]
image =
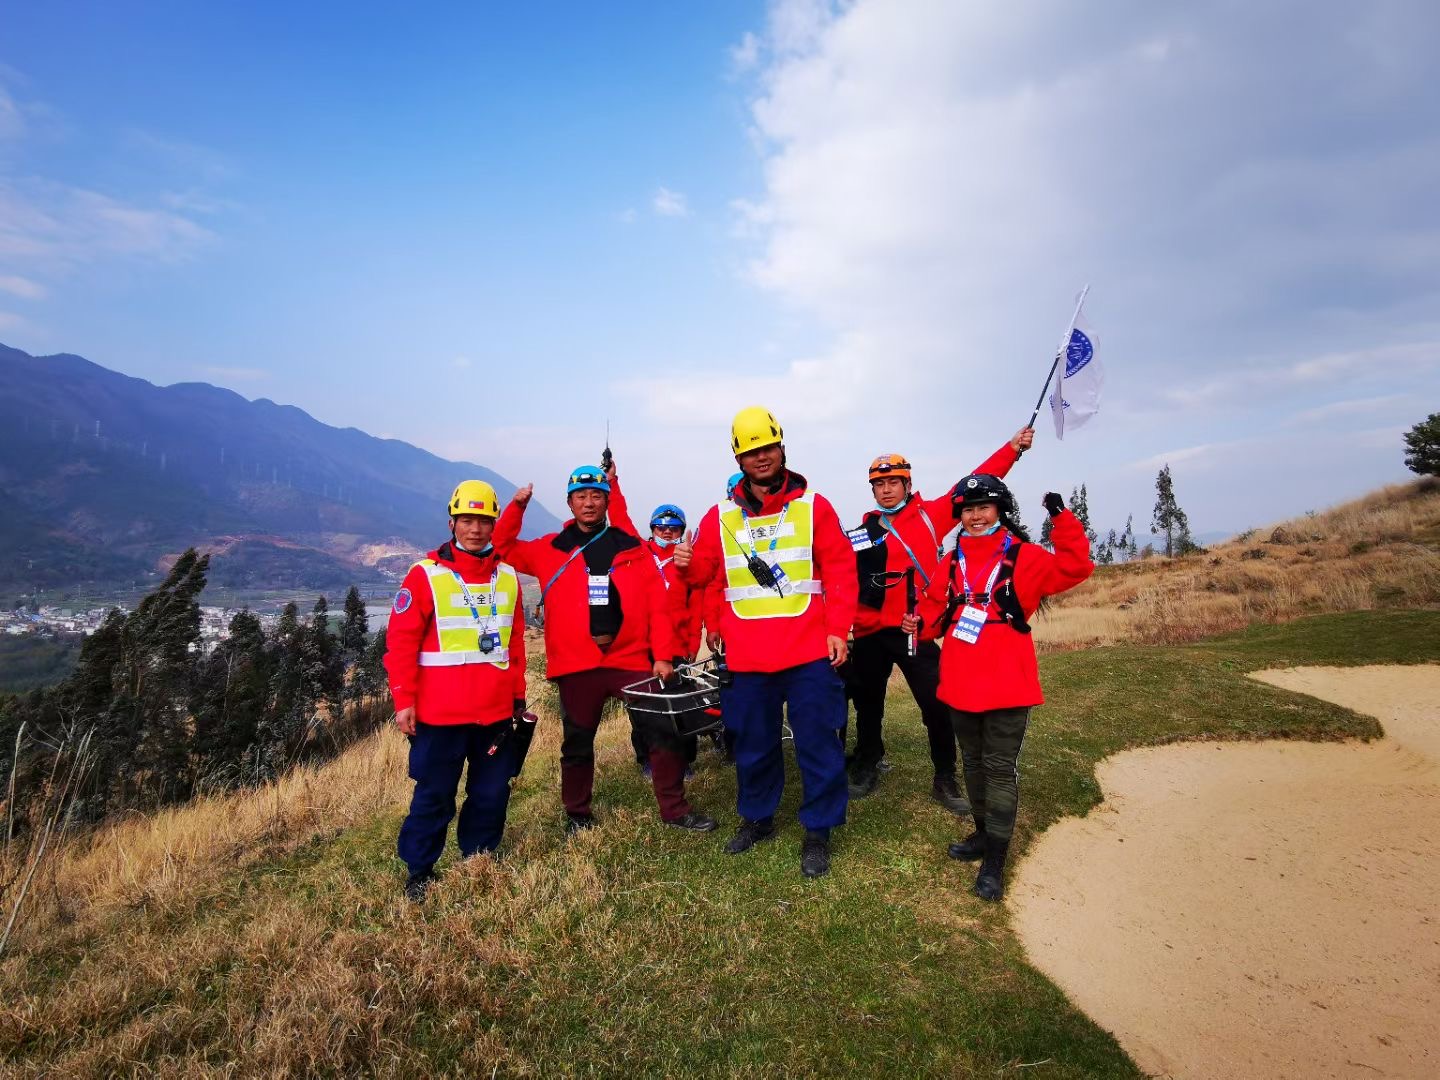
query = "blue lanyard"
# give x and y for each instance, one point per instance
(774, 537)
(885, 524)
(555, 576)
(994, 571)
(470, 601)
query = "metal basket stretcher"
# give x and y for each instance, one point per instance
(689, 702)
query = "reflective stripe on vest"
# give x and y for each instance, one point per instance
(459, 622)
(792, 552)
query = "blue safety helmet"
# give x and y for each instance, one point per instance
(588, 476)
(667, 514)
(733, 483)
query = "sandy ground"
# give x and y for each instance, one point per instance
(1258, 910)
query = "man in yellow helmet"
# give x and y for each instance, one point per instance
(455, 655)
(787, 575)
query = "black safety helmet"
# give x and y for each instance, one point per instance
(979, 488)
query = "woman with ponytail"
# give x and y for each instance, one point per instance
(979, 605)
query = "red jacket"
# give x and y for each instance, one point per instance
(999, 671)
(777, 643)
(910, 526)
(646, 631)
(466, 693)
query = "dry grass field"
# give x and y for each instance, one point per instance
(1382, 551)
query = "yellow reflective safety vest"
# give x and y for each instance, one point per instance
(792, 531)
(467, 615)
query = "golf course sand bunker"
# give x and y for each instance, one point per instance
(1261, 909)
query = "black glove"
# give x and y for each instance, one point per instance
(1055, 504)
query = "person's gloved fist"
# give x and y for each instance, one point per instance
(1054, 504)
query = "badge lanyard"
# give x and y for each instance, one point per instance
(555, 576)
(470, 600)
(885, 524)
(990, 581)
(660, 565)
(774, 537)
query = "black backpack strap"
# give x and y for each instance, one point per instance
(1005, 599)
(952, 601)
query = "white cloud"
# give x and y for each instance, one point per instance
(669, 203)
(461, 363)
(745, 55)
(940, 178)
(22, 287)
(11, 321)
(56, 225)
(627, 216)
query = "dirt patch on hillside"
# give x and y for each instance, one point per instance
(1258, 910)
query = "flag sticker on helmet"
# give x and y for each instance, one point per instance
(476, 504)
(402, 601)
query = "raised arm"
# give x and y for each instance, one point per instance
(506, 538)
(997, 464)
(619, 508)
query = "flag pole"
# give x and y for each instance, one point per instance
(1064, 343)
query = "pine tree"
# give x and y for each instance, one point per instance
(229, 704)
(1422, 444)
(1168, 519)
(355, 629)
(1080, 507)
(287, 717)
(1047, 529)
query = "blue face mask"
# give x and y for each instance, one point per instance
(893, 509)
(483, 551)
(991, 531)
(664, 543)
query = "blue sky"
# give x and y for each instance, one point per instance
(485, 230)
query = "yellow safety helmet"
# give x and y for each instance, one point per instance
(753, 428)
(474, 497)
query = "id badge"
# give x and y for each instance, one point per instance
(860, 539)
(599, 589)
(782, 583)
(969, 625)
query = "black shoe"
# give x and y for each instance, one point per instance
(863, 780)
(694, 822)
(815, 855)
(747, 836)
(418, 885)
(578, 823)
(990, 885)
(971, 849)
(947, 793)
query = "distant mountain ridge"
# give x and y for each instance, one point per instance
(102, 475)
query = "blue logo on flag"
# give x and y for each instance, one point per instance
(402, 601)
(1077, 353)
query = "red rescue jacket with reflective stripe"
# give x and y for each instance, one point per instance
(464, 693)
(780, 642)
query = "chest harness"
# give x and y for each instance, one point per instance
(1000, 589)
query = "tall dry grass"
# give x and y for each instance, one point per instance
(1379, 551)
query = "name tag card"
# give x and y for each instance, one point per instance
(860, 539)
(599, 589)
(969, 625)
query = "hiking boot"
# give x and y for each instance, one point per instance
(815, 854)
(972, 847)
(748, 835)
(418, 885)
(694, 822)
(990, 885)
(947, 793)
(575, 823)
(863, 780)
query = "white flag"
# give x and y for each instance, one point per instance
(1077, 397)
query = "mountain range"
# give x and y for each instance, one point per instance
(104, 478)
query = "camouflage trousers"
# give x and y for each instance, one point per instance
(990, 745)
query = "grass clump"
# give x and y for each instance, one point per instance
(632, 949)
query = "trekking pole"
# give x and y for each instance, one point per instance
(606, 458)
(1064, 344)
(912, 638)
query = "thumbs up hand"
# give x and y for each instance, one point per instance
(685, 550)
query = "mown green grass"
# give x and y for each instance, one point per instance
(637, 951)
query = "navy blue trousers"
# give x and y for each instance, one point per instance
(754, 708)
(438, 753)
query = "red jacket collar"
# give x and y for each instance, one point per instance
(766, 504)
(463, 561)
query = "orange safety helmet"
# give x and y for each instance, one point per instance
(890, 465)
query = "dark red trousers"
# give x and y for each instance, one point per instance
(582, 698)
